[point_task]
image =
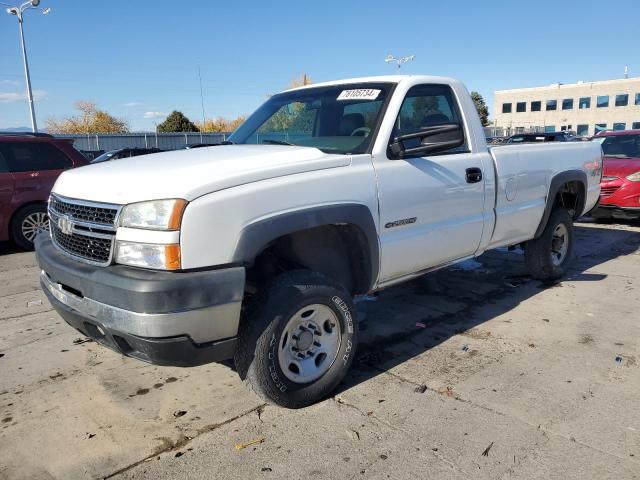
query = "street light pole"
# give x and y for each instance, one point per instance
(18, 12)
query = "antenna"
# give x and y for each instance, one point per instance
(626, 71)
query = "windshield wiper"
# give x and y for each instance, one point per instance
(277, 142)
(227, 142)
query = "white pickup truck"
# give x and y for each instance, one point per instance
(254, 249)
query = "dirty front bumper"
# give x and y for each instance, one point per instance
(166, 318)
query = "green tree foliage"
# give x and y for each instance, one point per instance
(481, 107)
(177, 122)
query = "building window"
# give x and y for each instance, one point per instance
(619, 126)
(582, 130)
(567, 104)
(585, 102)
(622, 100)
(602, 101)
(600, 127)
(506, 108)
(552, 104)
(536, 106)
(635, 126)
(521, 107)
(549, 128)
(637, 98)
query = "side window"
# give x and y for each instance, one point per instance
(4, 167)
(427, 106)
(28, 157)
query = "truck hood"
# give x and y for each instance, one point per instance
(190, 173)
(620, 167)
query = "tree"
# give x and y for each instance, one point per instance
(177, 122)
(90, 120)
(302, 81)
(220, 124)
(481, 107)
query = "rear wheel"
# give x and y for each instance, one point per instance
(547, 256)
(27, 223)
(297, 341)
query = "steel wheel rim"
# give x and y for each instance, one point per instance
(559, 244)
(33, 224)
(309, 343)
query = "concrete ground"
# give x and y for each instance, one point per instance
(475, 371)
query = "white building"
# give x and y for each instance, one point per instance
(583, 107)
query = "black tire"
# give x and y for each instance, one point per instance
(538, 252)
(261, 332)
(26, 214)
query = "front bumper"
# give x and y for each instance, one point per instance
(613, 211)
(165, 318)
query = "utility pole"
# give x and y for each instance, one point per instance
(201, 103)
(19, 12)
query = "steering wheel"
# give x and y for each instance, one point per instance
(365, 131)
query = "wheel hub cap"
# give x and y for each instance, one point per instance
(559, 244)
(309, 343)
(34, 224)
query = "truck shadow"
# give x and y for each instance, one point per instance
(404, 321)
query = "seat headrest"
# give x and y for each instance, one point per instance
(349, 123)
(434, 119)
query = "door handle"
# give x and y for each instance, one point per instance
(474, 175)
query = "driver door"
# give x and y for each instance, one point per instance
(431, 209)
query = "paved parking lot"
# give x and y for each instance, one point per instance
(472, 372)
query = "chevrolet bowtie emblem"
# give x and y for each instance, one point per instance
(65, 224)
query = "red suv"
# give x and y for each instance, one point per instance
(29, 166)
(620, 187)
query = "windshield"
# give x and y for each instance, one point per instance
(620, 146)
(105, 156)
(334, 119)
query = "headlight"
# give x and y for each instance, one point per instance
(634, 177)
(154, 215)
(159, 257)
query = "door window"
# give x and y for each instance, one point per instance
(4, 167)
(29, 157)
(427, 106)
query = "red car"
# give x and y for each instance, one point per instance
(620, 187)
(29, 166)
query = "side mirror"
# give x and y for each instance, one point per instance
(433, 139)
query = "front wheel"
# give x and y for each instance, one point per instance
(27, 223)
(296, 343)
(547, 256)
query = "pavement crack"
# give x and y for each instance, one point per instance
(184, 440)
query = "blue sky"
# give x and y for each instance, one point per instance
(135, 58)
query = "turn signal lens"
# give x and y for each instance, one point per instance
(158, 257)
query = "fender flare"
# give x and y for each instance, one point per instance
(556, 183)
(256, 236)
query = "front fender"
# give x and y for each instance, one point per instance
(256, 236)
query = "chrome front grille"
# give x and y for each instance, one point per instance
(84, 212)
(84, 230)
